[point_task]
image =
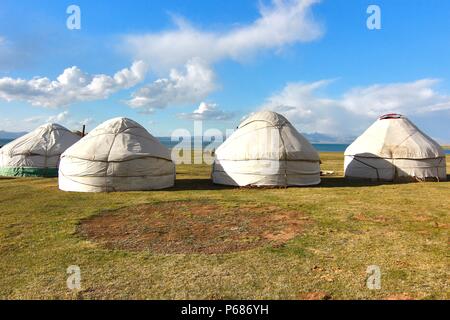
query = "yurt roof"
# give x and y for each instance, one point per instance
(395, 136)
(273, 118)
(118, 139)
(47, 139)
(250, 140)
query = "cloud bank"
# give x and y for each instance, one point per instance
(411, 97)
(73, 85)
(191, 85)
(188, 52)
(356, 108)
(284, 22)
(207, 111)
(64, 118)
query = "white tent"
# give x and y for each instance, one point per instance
(393, 149)
(118, 155)
(37, 153)
(266, 150)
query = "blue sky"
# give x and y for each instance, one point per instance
(217, 61)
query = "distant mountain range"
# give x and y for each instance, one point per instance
(312, 137)
(324, 138)
(10, 135)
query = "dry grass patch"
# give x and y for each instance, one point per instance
(320, 295)
(193, 227)
(403, 228)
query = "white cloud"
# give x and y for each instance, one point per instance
(302, 105)
(207, 111)
(73, 85)
(351, 113)
(59, 118)
(410, 97)
(64, 118)
(283, 23)
(180, 88)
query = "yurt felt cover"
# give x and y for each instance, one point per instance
(393, 148)
(118, 155)
(37, 153)
(266, 150)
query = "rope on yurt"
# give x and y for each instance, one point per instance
(46, 153)
(437, 169)
(395, 177)
(284, 155)
(109, 162)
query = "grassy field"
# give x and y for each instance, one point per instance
(402, 228)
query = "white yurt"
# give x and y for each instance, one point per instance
(118, 155)
(394, 149)
(37, 153)
(266, 150)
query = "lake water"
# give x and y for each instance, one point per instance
(321, 147)
(4, 141)
(170, 144)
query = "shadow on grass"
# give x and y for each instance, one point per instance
(334, 182)
(341, 182)
(327, 182)
(197, 184)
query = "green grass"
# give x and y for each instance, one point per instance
(403, 228)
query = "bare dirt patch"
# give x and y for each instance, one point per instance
(400, 296)
(193, 227)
